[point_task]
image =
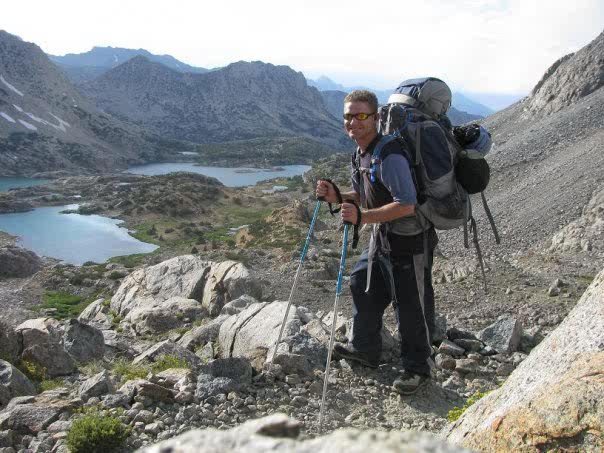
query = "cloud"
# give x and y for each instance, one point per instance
(478, 45)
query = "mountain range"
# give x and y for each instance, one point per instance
(153, 108)
(87, 66)
(239, 102)
(143, 111)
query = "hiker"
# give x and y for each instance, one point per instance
(387, 204)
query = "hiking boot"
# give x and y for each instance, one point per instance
(409, 383)
(348, 352)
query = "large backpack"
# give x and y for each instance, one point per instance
(445, 172)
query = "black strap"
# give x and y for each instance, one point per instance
(490, 217)
(355, 230)
(478, 253)
(466, 244)
(338, 196)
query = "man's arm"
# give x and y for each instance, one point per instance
(396, 176)
(386, 213)
(352, 195)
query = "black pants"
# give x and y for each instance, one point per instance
(368, 309)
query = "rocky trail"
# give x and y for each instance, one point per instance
(212, 324)
(178, 309)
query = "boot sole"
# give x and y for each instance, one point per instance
(410, 392)
(354, 358)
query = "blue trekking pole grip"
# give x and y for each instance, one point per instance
(291, 294)
(334, 321)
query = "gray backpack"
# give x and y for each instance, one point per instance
(416, 114)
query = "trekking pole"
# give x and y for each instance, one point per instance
(333, 324)
(291, 294)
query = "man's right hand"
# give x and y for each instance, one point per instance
(325, 191)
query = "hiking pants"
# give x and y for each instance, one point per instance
(368, 308)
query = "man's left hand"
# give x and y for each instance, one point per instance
(349, 213)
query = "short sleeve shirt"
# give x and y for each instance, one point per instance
(393, 172)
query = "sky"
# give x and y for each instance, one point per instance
(479, 46)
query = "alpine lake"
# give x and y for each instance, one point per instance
(76, 239)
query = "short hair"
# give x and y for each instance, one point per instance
(363, 96)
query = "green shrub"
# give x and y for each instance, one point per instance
(65, 305)
(32, 370)
(456, 412)
(165, 362)
(127, 370)
(116, 275)
(92, 368)
(77, 280)
(129, 261)
(50, 384)
(95, 433)
(115, 318)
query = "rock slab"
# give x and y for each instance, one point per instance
(553, 400)
(252, 334)
(503, 335)
(82, 342)
(280, 433)
(18, 263)
(42, 341)
(13, 383)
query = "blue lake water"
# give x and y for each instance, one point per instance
(72, 238)
(14, 183)
(232, 177)
(75, 238)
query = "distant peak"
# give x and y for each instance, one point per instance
(324, 78)
(570, 78)
(139, 58)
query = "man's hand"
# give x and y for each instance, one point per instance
(350, 213)
(325, 191)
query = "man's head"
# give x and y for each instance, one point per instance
(360, 116)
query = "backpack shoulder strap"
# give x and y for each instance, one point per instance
(379, 154)
(377, 151)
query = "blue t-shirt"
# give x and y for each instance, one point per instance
(394, 173)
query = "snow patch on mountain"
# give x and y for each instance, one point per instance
(62, 123)
(7, 117)
(10, 87)
(29, 126)
(61, 126)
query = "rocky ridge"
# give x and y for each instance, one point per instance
(86, 66)
(241, 101)
(569, 79)
(47, 125)
(546, 164)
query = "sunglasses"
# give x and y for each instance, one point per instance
(358, 116)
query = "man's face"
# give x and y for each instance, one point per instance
(363, 130)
